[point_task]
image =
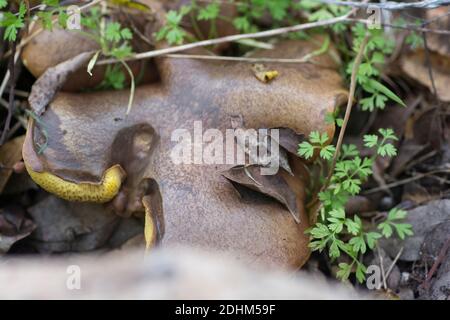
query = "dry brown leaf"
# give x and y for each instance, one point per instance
(263, 74)
(63, 226)
(441, 21)
(45, 88)
(274, 186)
(10, 153)
(415, 66)
(14, 226)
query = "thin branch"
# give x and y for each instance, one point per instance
(8, 74)
(437, 262)
(12, 82)
(428, 63)
(391, 5)
(273, 32)
(402, 182)
(256, 35)
(409, 27)
(305, 59)
(348, 109)
(383, 273)
(391, 267)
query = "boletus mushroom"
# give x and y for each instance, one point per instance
(84, 147)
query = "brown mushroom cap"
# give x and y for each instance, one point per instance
(196, 205)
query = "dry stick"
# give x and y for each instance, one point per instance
(241, 59)
(348, 109)
(428, 63)
(11, 68)
(8, 74)
(382, 269)
(439, 259)
(409, 27)
(391, 5)
(401, 182)
(170, 50)
(391, 267)
(256, 35)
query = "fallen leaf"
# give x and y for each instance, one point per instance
(14, 226)
(45, 88)
(63, 226)
(10, 153)
(263, 74)
(435, 255)
(274, 186)
(415, 66)
(439, 21)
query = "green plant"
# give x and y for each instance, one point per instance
(373, 94)
(114, 41)
(378, 47)
(334, 230)
(316, 11)
(252, 10)
(12, 22)
(172, 31)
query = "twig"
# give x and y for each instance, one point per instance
(235, 37)
(8, 74)
(16, 58)
(391, 5)
(348, 109)
(210, 42)
(410, 27)
(391, 267)
(241, 59)
(383, 274)
(428, 63)
(402, 182)
(132, 86)
(441, 256)
(12, 82)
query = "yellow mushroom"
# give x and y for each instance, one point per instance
(85, 191)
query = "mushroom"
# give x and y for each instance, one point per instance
(91, 144)
(91, 150)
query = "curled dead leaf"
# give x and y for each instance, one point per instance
(263, 74)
